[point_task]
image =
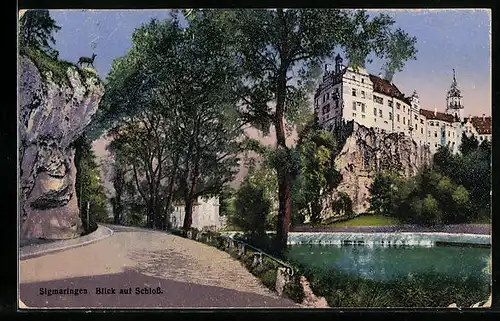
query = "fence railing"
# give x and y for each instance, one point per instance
(242, 246)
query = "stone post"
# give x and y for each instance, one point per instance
(282, 279)
(241, 249)
(257, 259)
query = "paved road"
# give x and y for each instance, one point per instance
(183, 274)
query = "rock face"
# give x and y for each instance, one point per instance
(370, 150)
(310, 299)
(51, 116)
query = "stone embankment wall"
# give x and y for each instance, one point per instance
(52, 114)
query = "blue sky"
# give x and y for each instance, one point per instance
(446, 39)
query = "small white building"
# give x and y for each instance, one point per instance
(205, 214)
(352, 94)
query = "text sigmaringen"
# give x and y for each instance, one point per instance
(100, 291)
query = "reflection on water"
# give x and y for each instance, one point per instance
(385, 263)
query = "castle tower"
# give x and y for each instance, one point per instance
(454, 99)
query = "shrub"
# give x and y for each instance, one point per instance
(294, 290)
(268, 278)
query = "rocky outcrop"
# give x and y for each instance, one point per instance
(368, 151)
(310, 299)
(52, 115)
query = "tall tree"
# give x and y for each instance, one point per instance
(173, 99)
(280, 52)
(36, 29)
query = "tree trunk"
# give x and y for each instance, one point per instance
(170, 193)
(284, 176)
(188, 217)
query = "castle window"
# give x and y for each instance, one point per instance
(416, 117)
(327, 96)
(404, 107)
(432, 123)
(353, 77)
(398, 118)
(324, 98)
(362, 116)
(429, 133)
(353, 105)
(375, 112)
(390, 115)
(363, 108)
(421, 130)
(380, 112)
(416, 126)
(421, 121)
(378, 100)
(336, 104)
(435, 134)
(354, 91)
(390, 103)
(363, 80)
(404, 121)
(448, 134)
(353, 114)
(398, 105)
(362, 94)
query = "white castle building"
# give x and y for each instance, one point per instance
(352, 94)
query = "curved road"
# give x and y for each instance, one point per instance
(183, 274)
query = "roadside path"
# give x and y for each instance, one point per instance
(189, 275)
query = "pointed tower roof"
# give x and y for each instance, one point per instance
(454, 91)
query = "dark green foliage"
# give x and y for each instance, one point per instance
(429, 198)
(318, 177)
(419, 290)
(252, 208)
(36, 30)
(343, 205)
(294, 290)
(89, 190)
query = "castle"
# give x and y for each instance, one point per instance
(352, 94)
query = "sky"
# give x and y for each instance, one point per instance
(457, 39)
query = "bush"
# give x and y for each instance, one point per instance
(252, 208)
(419, 290)
(268, 278)
(294, 290)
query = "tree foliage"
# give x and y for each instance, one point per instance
(280, 51)
(172, 101)
(88, 187)
(36, 29)
(318, 176)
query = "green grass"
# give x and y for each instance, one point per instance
(366, 220)
(58, 68)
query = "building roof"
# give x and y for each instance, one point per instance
(482, 125)
(385, 87)
(438, 116)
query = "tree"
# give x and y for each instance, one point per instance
(172, 100)
(468, 144)
(88, 188)
(252, 208)
(280, 52)
(318, 177)
(37, 29)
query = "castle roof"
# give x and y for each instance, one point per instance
(482, 125)
(438, 116)
(385, 87)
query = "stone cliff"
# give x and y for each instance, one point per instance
(368, 151)
(53, 111)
